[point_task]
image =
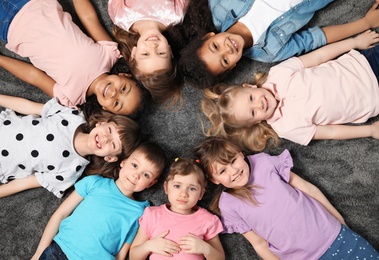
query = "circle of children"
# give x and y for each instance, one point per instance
(90, 125)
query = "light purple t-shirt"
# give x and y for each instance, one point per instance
(157, 219)
(294, 225)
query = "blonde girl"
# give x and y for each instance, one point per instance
(52, 145)
(139, 27)
(304, 98)
(66, 63)
(179, 229)
(280, 214)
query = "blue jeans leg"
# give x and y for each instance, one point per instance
(53, 252)
(372, 56)
(8, 10)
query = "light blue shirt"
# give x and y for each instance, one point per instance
(101, 223)
(282, 39)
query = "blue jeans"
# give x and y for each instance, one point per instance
(350, 245)
(53, 252)
(372, 56)
(8, 10)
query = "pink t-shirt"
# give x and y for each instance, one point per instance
(340, 91)
(157, 219)
(124, 13)
(46, 34)
(295, 225)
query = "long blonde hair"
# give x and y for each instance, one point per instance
(164, 85)
(216, 106)
(215, 149)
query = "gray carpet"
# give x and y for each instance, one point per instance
(346, 171)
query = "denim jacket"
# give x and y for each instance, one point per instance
(282, 39)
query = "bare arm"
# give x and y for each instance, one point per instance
(211, 249)
(21, 105)
(18, 185)
(64, 210)
(342, 132)
(328, 52)
(123, 252)
(28, 73)
(90, 20)
(260, 245)
(142, 246)
(314, 192)
(338, 32)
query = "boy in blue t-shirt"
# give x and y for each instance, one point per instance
(99, 219)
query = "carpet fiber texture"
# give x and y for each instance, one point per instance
(346, 171)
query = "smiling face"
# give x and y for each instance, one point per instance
(152, 52)
(221, 52)
(104, 141)
(183, 192)
(232, 175)
(118, 94)
(251, 105)
(136, 174)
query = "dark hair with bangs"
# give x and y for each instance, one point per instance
(215, 149)
(130, 136)
(184, 167)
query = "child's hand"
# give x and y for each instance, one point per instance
(366, 39)
(191, 244)
(161, 245)
(372, 16)
(375, 130)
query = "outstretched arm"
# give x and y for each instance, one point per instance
(314, 192)
(65, 209)
(338, 32)
(330, 51)
(90, 20)
(28, 73)
(18, 185)
(260, 246)
(342, 132)
(21, 105)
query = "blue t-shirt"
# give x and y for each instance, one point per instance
(101, 223)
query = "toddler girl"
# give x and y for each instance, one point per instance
(100, 217)
(179, 229)
(262, 30)
(76, 65)
(279, 213)
(138, 28)
(52, 150)
(304, 98)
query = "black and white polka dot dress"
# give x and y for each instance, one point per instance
(41, 145)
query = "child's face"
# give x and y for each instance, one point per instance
(221, 51)
(152, 52)
(183, 193)
(104, 141)
(118, 94)
(251, 105)
(137, 173)
(232, 175)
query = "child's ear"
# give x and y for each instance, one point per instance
(165, 187)
(151, 183)
(202, 194)
(126, 75)
(133, 53)
(245, 85)
(207, 36)
(111, 159)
